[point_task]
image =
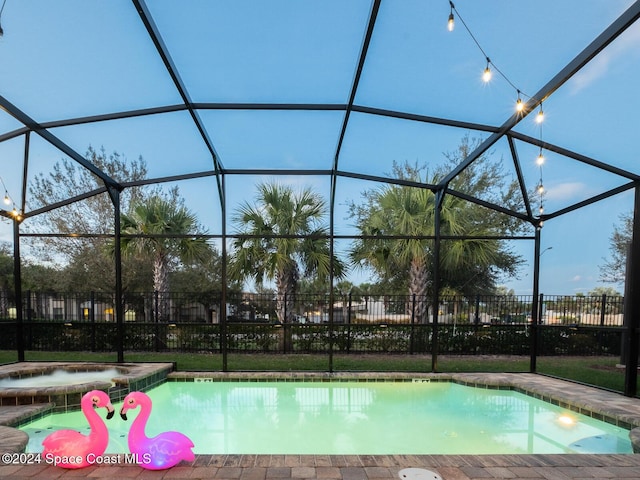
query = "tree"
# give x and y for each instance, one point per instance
(200, 280)
(90, 216)
(87, 222)
(6, 278)
(613, 270)
(282, 237)
(409, 213)
(608, 291)
(504, 291)
(167, 232)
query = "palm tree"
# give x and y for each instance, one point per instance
(409, 213)
(396, 210)
(162, 229)
(282, 237)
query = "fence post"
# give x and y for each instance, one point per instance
(285, 327)
(536, 319)
(156, 304)
(413, 324)
(476, 319)
(603, 309)
(29, 334)
(17, 278)
(331, 335)
(29, 308)
(349, 324)
(156, 301)
(92, 319)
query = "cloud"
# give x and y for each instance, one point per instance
(622, 47)
(576, 278)
(566, 191)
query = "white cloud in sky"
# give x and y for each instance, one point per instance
(566, 191)
(625, 45)
(576, 278)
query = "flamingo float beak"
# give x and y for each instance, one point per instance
(110, 410)
(123, 415)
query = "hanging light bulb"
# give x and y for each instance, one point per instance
(7, 197)
(540, 159)
(540, 188)
(541, 209)
(519, 104)
(540, 116)
(451, 21)
(486, 75)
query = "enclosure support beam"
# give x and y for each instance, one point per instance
(115, 198)
(436, 279)
(222, 319)
(17, 279)
(632, 303)
(163, 51)
(34, 126)
(535, 304)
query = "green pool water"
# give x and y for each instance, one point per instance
(354, 418)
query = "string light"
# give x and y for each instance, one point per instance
(540, 160)
(15, 213)
(488, 71)
(487, 74)
(7, 197)
(519, 104)
(451, 22)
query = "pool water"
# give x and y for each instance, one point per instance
(354, 418)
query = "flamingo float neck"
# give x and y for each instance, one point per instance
(137, 431)
(96, 424)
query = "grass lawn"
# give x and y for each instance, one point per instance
(598, 371)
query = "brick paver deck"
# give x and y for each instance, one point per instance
(358, 467)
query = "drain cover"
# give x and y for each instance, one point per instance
(418, 474)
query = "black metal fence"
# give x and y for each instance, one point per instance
(164, 307)
(359, 324)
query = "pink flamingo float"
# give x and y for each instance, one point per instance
(160, 452)
(72, 449)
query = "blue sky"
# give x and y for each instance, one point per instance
(74, 58)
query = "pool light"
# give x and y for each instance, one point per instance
(566, 420)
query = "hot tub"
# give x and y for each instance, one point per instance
(63, 384)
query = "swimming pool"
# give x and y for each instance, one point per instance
(366, 418)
